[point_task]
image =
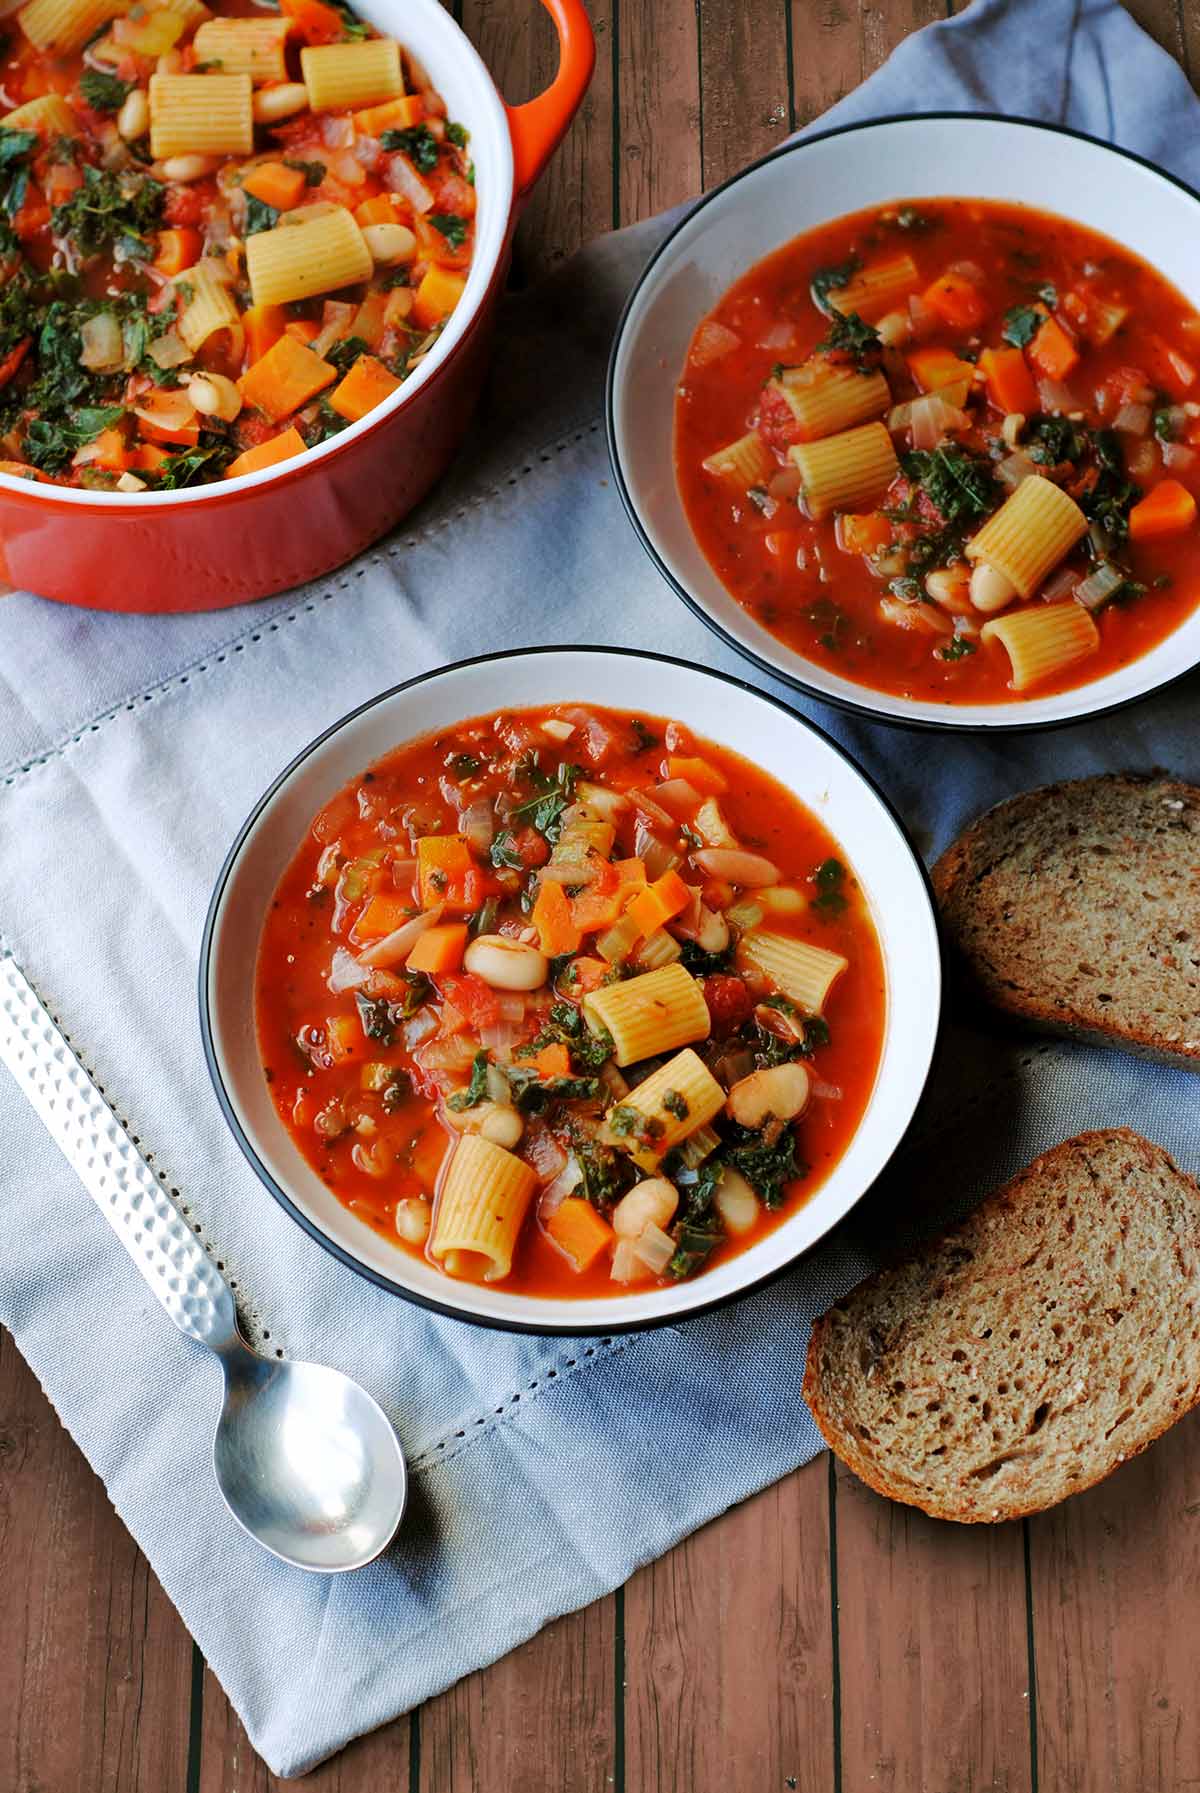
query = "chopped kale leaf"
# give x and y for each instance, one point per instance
(452, 227)
(103, 93)
(418, 144)
(831, 280)
(476, 1090)
(1021, 325)
(829, 878)
(259, 216)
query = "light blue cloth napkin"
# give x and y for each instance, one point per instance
(544, 1472)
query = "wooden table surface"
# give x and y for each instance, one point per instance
(816, 1638)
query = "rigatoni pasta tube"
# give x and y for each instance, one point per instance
(483, 1201)
(825, 399)
(294, 261)
(746, 462)
(201, 115)
(341, 76)
(678, 1099)
(1044, 640)
(877, 289)
(848, 471)
(649, 1014)
(253, 47)
(1030, 533)
(60, 26)
(209, 306)
(798, 970)
(49, 115)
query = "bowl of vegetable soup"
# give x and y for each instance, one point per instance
(570, 990)
(250, 263)
(934, 454)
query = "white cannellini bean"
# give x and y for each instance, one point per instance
(413, 1218)
(214, 395)
(389, 243)
(270, 104)
(506, 964)
(991, 589)
(782, 899)
(780, 1093)
(950, 587)
(129, 482)
(133, 120)
(750, 870)
(736, 1202)
(650, 1203)
(1012, 426)
(501, 1124)
(188, 168)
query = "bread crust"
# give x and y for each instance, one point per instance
(1025, 1187)
(967, 860)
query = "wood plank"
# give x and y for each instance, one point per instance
(95, 1673)
(658, 106)
(729, 1654)
(1165, 21)
(573, 201)
(542, 1718)
(228, 1760)
(743, 83)
(933, 1650)
(836, 44)
(1113, 1574)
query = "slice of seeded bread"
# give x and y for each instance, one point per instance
(1077, 909)
(1025, 1354)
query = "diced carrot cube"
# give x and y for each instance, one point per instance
(552, 1061)
(956, 301)
(366, 385)
(303, 329)
(579, 1231)
(552, 917)
(276, 185)
(439, 948)
(933, 368)
(266, 454)
(286, 377)
(177, 249)
(438, 294)
(861, 535)
(379, 209)
(386, 911)
(264, 325)
(392, 115)
(700, 774)
(1168, 509)
(1009, 382)
(315, 22)
(656, 905)
(1053, 351)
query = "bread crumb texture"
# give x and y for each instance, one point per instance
(1024, 1355)
(1077, 908)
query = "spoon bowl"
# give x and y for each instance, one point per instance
(307, 1462)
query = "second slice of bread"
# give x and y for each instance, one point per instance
(1077, 908)
(1022, 1356)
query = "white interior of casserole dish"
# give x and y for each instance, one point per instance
(428, 31)
(807, 185)
(774, 739)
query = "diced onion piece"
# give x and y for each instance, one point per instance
(497, 1085)
(932, 417)
(477, 824)
(678, 796)
(499, 1039)
(1056, 397)
(568, 1178)
(337, 131)
(169, 350)
(1014, 468)
(346, 972)
(655, 1249)
(712, 341)
(627, 1267)
(1062, 585)
(1133, 420)
(1099, 586)
(1177, 455)
(785, 484)
(103, 343)
(402, 178)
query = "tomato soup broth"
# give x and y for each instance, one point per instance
(385, 1073)
(1012, 343)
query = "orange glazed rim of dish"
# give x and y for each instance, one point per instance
(792, 673)
(591, 1326)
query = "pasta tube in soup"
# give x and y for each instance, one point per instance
(223, 238)
(570, 1000)
(949, 449)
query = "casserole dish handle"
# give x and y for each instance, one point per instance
(539, 126)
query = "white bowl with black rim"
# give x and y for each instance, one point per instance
(798, 188)
(725, 710)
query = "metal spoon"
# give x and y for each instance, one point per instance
(306, 1461)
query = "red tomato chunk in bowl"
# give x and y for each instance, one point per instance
(949, 449)
(571, 1000)
(226, 234)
